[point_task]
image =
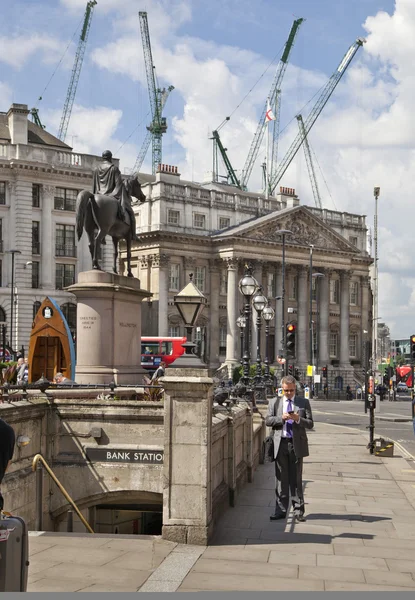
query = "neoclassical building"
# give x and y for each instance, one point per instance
(213, 230)
(40, 178)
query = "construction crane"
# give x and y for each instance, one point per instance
(76, 70)
(217, 145)
(158, 124)
(140, 158)
(35, 117)
(316, 110)
(276, 86)
(309, 161)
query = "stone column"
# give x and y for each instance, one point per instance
(187, 488)
(232, 334)
(323, 319)
(344, 318)
(303, 317)
(214, 313)
(278, 310)
(46, 233)
(161, 262)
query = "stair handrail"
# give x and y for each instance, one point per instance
(39, 458)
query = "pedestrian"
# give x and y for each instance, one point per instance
(289, 417)
(23, 371)
(159, 372)
(7, 440)
(62, 380)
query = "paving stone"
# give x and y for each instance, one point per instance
(81, 555)
(233, 582)
(251, 553)
(332, 574)
(390, 578)
(371, 551)
(85, 574)
(400, 565)
(351, 562)
(281, 557)
(99, 587)
(206, 565)
(344, 586)
(55, 585)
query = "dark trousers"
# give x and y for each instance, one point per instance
(288, 479)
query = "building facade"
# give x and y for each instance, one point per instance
(40, 178)
(213, 231)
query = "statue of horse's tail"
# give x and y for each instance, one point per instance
(81, 204)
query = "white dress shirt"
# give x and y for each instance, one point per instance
(284, 410)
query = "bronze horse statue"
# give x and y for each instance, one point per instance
(102, 215)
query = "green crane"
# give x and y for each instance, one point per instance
(158, 98)
(315, 111)
(274, 92)
(35, 117)
(217, 145)
(76, 71)
(309, 161)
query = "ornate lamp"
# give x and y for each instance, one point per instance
(190, 302)
(268, 314)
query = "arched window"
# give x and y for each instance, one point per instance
(69, 312)
(2, 315)
(36, 306)
(338, 383)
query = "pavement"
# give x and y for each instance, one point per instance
(359, 535)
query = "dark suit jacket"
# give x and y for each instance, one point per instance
(274, 420)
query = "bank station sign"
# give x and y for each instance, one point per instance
(122, 455)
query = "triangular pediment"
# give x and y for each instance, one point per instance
(306, 229)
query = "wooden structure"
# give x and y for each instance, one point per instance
(51, 347)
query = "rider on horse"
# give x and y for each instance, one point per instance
(108, 182)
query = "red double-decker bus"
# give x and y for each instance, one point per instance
(157, 349)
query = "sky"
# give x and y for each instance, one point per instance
(221, 57)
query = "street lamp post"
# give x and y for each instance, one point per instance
(12, 252)
(248, 285)
(315, 355)
(268, 313)
(283, 233)
(259, 301)
(241, 323)
(190, 302)
(376, 193)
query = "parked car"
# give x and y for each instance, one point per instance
(402, 387)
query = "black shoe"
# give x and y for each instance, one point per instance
(300, 518)
(277, 516)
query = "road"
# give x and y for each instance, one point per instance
(392, 419)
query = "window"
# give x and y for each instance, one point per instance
(173, 217)
(334, 340)
(65, 199)
(69, 312)
(200, 275)
(65, 240)
(174, 331)
(334, 291)
(35, 195)
(353, 345)
(271, 285)
(224, 222)
(293, 287)
(354, 290)
(65, 275)
(174, 277)
(35, 237)
(199, 220)
(36, 306)
(353, 240)
(222, 339)
(224, 281)
(2, 192)
(35, 274)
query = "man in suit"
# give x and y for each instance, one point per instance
(61, 380)
(7, 441)
(289, 418)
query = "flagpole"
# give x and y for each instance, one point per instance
(267, 160)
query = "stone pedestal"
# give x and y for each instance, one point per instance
(187, 493)
(108, 328)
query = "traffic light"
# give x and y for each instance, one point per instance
(324, 372)
(412, 351)
(291, 370)
(290, 341)
(297, 373)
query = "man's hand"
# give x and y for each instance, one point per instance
(286, 416)
(295, 417)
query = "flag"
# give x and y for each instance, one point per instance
(269, 115)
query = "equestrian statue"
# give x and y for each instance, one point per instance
(108, 211)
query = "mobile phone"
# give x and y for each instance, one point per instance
(290, 412)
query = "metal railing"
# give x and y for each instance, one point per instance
(37, 463)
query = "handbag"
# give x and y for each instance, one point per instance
(268, 449)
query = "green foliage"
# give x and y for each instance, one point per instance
(238, 372)
(152, 394)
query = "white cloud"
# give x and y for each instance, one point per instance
(16, 50)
